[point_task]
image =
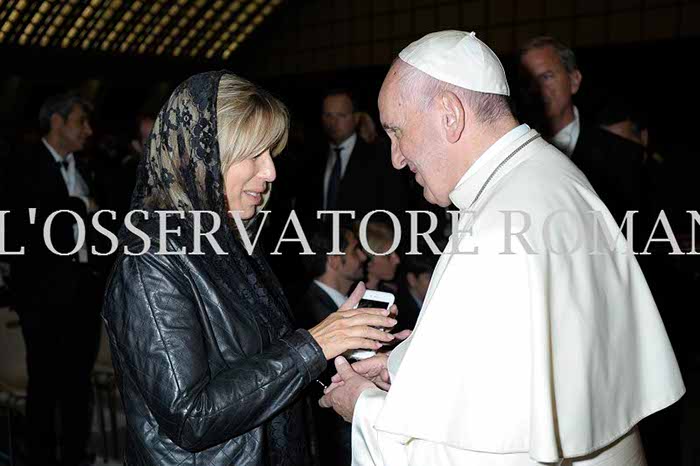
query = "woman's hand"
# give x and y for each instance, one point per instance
(349, 328)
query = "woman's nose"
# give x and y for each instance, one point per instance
(268, 172)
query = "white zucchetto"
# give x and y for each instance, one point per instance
(458, 58)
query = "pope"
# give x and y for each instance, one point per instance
(527, 350)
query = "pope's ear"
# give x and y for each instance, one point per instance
(452, 116)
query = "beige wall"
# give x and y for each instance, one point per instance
(320, 35)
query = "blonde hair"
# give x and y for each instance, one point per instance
(249, 122)
(379, 237)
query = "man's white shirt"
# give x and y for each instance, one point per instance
(565, 140)
(76, 186)
(337, 297)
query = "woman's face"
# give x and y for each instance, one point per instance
(383, 267)
(246, 182)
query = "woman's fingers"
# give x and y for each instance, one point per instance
(349, 329)
(378, 335)
(402, 335)
(354, 298)
(393, 311)
(362, 343)
(364, 310)
(371, 320)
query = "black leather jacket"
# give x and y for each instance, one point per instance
(205, 378)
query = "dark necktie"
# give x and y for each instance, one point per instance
(334, 181)
(63, 164)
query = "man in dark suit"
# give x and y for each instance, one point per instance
(613, 165)
(333, 276)
(417, 272)
(670, 284)
(58, 293)
(347, 173)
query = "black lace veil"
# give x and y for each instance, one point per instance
(181, 167)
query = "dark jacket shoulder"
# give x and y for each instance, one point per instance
(314, 306)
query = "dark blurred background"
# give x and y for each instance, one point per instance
(303, 47)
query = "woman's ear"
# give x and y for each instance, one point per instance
(452, 116)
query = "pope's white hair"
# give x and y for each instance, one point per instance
(422, 89)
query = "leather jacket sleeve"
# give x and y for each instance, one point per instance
(153, 316)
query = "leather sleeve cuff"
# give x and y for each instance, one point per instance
(307, 354)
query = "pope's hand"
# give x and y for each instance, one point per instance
(344, 397)
(374, 369)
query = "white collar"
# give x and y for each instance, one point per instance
(565, 140)
(68, 158)
(347, 145)
(467, 187)
(337, 297)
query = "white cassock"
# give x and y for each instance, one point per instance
(524, 358)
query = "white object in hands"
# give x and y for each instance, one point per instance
(373, 299)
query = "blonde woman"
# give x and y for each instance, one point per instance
(381, 267)
(209, 365)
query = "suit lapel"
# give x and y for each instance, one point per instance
(82, 169)
(319, 174)
(582, 150)
(52, 173)
(325, 301)
(356, 167)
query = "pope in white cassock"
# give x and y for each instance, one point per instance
(539, 341)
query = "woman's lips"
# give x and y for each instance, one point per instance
(255, 196)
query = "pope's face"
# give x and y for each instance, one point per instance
(415, 141)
